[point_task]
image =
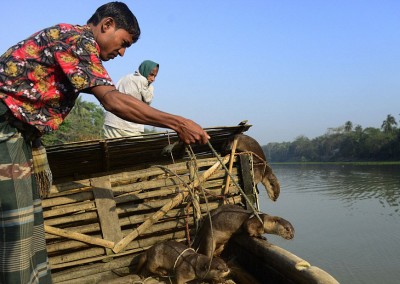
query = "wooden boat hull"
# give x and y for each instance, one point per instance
(269, 263)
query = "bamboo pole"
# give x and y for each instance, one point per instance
(64, 200)
(85, 216)
(70, 208)
(75, 273)
(232, 158)
(78, 236)
(76, 256)
(131, 176)
(82, 229)
(159, 214)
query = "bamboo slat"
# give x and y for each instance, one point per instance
(68, 209)
(78, 236)
(81, 271)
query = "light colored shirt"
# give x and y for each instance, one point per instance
(137, 86)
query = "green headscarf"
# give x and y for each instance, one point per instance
(146, 67)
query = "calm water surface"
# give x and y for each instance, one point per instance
(347, 219)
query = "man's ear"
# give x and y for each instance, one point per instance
(107, 23)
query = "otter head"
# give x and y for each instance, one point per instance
(282, 228)
(216, 270)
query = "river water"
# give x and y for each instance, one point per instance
(346, 218)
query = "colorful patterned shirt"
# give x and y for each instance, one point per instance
(41, 77)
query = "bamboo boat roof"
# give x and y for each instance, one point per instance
(85, 158)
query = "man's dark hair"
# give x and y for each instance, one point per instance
(123, 17)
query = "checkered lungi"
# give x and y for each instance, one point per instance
(23, 255)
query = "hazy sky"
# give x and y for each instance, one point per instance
(288, 67)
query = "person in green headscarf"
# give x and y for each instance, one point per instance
(138, 85)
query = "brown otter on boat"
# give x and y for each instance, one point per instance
(262, 171)
(232, 219)
(174, 258)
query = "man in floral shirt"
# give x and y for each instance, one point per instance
(40, 79)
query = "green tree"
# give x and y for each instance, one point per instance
(341, 144)
(389, 124)
(348, 126)
(84, 122)
(358, 128)
(302, 149)
(80, 108)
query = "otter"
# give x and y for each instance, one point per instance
(175, 258)
(230, 219)
(262, 171)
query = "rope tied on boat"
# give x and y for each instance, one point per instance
(180, 255)
(192, 155)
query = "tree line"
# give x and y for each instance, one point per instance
(343, 143)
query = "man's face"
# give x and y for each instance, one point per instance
(113, 42)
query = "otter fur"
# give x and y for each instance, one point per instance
(229, 219)
(262, 171)
(175, 258)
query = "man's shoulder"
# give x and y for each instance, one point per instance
(64, 30)
(63, 27)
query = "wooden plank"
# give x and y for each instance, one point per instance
(247, 179)
(106, 208)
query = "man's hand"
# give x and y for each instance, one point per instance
(190, 132)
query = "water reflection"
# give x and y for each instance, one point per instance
(347, 183)
(346, 219)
